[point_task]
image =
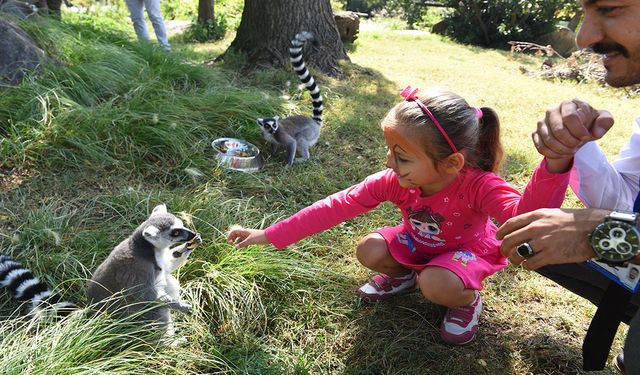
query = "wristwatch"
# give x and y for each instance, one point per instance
(616, 240)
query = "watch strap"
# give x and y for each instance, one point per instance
(629, 217)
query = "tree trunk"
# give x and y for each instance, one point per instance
(478, 13)
(267, 28)
(205, 11)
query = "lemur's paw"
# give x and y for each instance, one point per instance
(194, 242)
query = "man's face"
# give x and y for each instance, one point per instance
(612, 28)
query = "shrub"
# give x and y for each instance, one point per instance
(232, 10)
(495, 23)
(338, 4)
(365, 6)
(409, 10)
(179, 9)
(207, 31)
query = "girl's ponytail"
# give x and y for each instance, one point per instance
(489, 151)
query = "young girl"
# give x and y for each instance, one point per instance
(441, 159)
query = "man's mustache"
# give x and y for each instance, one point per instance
(604, 48)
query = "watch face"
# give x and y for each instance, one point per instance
(615, 241)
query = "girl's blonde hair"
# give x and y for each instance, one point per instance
(478, 138)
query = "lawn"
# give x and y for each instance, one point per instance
(92, 144)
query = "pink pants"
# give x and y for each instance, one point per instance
(471, 268)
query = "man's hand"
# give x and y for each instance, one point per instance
(567, 127)
(243, 237)
(556, 235)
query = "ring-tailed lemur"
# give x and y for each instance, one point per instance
(24, 286)
(139, 267)
(138, 270)
(296, 133)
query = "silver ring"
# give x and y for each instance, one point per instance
(525, 250)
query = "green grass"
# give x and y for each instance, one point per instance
(92, 143)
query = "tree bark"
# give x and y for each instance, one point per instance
(267, 27)
(52, 7)
(478, 13)
(205, 11)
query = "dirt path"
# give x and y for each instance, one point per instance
(176, 26)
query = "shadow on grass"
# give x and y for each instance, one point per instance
(402, 336)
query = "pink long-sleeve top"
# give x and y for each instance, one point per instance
(457, 217)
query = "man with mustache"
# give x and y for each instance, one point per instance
(557, 242)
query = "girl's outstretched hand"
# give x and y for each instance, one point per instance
(243, 237)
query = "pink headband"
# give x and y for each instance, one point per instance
(409, 94)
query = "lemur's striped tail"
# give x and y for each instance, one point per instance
(24, 286)
(303, 73)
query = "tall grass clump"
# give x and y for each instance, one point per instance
(110, 103)
(89, 343)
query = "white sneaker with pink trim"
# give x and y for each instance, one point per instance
(460, 324)
(382, 287)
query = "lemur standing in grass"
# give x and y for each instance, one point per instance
(137, 273)
(297, 133)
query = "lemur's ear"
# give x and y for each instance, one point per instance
(260, 120)
(276, 118)
(159, 209)
(151, 231)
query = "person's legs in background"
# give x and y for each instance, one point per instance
(155, 16)
(136, 10)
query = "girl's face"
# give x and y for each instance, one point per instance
(412, 165)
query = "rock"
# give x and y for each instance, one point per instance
(562, 41)
(348, 25)
(18, 53)
(440, 27)
(17, 8)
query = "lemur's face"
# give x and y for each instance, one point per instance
(268, 125)
(163, 229)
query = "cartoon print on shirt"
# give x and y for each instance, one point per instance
(405, 239)
(463, 257)
(426, 223)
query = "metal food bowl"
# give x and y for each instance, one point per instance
(238, 155)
